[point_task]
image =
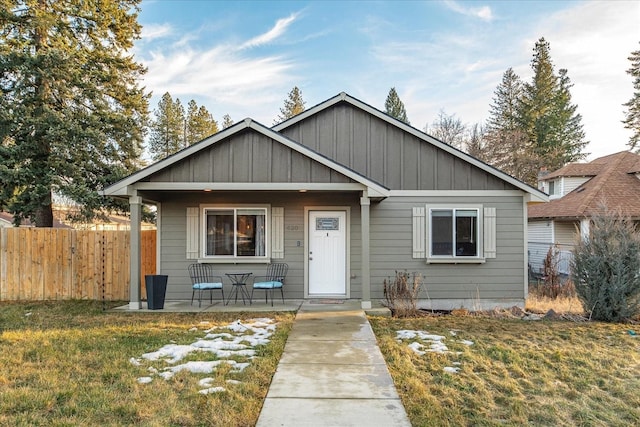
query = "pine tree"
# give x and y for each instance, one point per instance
(72, 113)
(504, 110)
(293, 105)
(168, 128)
(632, 119)
(394, 107)
(547, 115)
(200, 123)
(507, 146)
(226, 121)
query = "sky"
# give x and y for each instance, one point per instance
(242, 58)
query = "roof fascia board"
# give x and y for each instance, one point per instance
(247, 186)
(536, 194)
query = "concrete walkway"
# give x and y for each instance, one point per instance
(332, 374)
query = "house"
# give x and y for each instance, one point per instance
(578, 191)
(347, 196)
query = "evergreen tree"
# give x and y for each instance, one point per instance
(71, 112)
(547, 115)
(632, 120)
(200, 123)
(226, 121)
(293, 105)
(394, 107)
(168, 128)
(504, 111)
(507, 146)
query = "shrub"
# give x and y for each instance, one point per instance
(606, 269)
(401, 294)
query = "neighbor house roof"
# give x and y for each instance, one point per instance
(613, 184)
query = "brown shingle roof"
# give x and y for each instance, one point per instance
(615, 186)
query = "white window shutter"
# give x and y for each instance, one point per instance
(277, 233)
(419, 237)
(193, 246)
(489, 232)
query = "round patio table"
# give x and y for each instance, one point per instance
(239, 283)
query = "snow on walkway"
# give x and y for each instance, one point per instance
(236, 339)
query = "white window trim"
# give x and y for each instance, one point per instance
(453, 259)
(234, 258)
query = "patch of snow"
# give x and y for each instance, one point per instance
(417, 348)
(206, 382)
(451, 369)
(145, 380)
(234, 382)
(28, 314)
(224, 345)
(453, 333)
(194, 329)
(466, 342)
(212, 390)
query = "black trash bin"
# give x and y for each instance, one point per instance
(156, 289)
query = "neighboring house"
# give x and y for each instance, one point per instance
(577, 192)
(347, 196)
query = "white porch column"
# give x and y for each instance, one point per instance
(585, 225)
(366, 275)
(135, 206)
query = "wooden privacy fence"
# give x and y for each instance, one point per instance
(53, 264)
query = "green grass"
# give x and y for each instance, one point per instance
(67, 364)
(549, 373)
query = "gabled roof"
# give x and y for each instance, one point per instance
(122, 187)
(535, 194)
(614, 185)
(575, 170)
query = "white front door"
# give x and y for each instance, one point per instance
(327, 253)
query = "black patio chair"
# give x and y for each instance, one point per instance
(204, 279)
(274, 279)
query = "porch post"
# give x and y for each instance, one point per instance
(135, 206)
(366, 275)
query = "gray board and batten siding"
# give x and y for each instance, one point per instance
(386, 154)
(248, 156)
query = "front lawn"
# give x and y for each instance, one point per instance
(482, 371)
(70, 363)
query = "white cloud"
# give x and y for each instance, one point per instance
(227, 77)
(278, 30)
(483, 12)
(156, 31)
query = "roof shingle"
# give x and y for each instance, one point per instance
(613, 185)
